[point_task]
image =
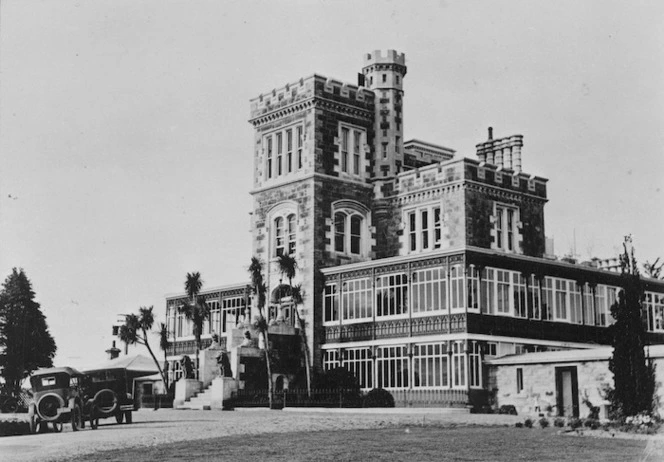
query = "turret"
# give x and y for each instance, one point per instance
(384, 75)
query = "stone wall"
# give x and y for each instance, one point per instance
(539, 386)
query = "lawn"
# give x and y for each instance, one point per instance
(391, 444)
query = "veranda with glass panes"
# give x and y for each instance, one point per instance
(416, 290)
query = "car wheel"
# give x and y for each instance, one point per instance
(119, 417)
(128, 417)
(10, 405)
(57, 427)
(76, 418)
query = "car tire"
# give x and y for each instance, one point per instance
(119, 417)
(128, 417)
(99, 398)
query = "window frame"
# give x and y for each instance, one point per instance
(352, 140)
(424, 228)
(506, 218)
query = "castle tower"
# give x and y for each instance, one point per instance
(384, 75)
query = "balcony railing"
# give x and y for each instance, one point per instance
(395, 328)
(188, 347)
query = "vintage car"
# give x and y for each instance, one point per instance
(112, 393)
(60, 396)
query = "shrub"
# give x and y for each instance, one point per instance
(559, 422)
(591, 423)
(641, 423)
(528, 423)
(507, 409)
(379, 397)
(519, 425)
(544, 422)
(574, 423)
(13, 427)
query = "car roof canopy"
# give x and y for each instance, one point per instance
(56, 370)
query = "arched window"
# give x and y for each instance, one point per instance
(284, 235)
(339, 231)
(279, 236)
(291, 234)
(348, 232)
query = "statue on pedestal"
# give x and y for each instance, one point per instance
(224, 365)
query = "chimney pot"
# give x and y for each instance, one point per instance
(490, 133)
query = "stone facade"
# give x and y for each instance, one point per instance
(529, 382)
(408, 256)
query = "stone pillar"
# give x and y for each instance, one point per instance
(185, 389)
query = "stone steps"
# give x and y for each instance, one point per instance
(204, 398)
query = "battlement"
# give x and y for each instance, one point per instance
(441, 173)
(391, 57)
(304, 89)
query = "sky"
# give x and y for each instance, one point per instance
(125, 151)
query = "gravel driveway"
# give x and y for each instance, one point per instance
(151, 428)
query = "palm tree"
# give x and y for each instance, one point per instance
(259, 289)
(164, 343)
(654, 270)
(195, 309)
(297, 297)
(288, 268)
(135, 331)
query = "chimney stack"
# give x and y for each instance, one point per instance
(502, 152)
(113, 352)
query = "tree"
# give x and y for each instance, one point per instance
(164, 343)
(288, 268)
(259, 290)
(634, 376)
(135, 331)
(654, 269)
(25, 342)
(195, 309)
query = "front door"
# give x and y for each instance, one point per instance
(567, 391)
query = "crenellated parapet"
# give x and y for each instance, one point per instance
(391, 60)
(480, 173)
(307, 92)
